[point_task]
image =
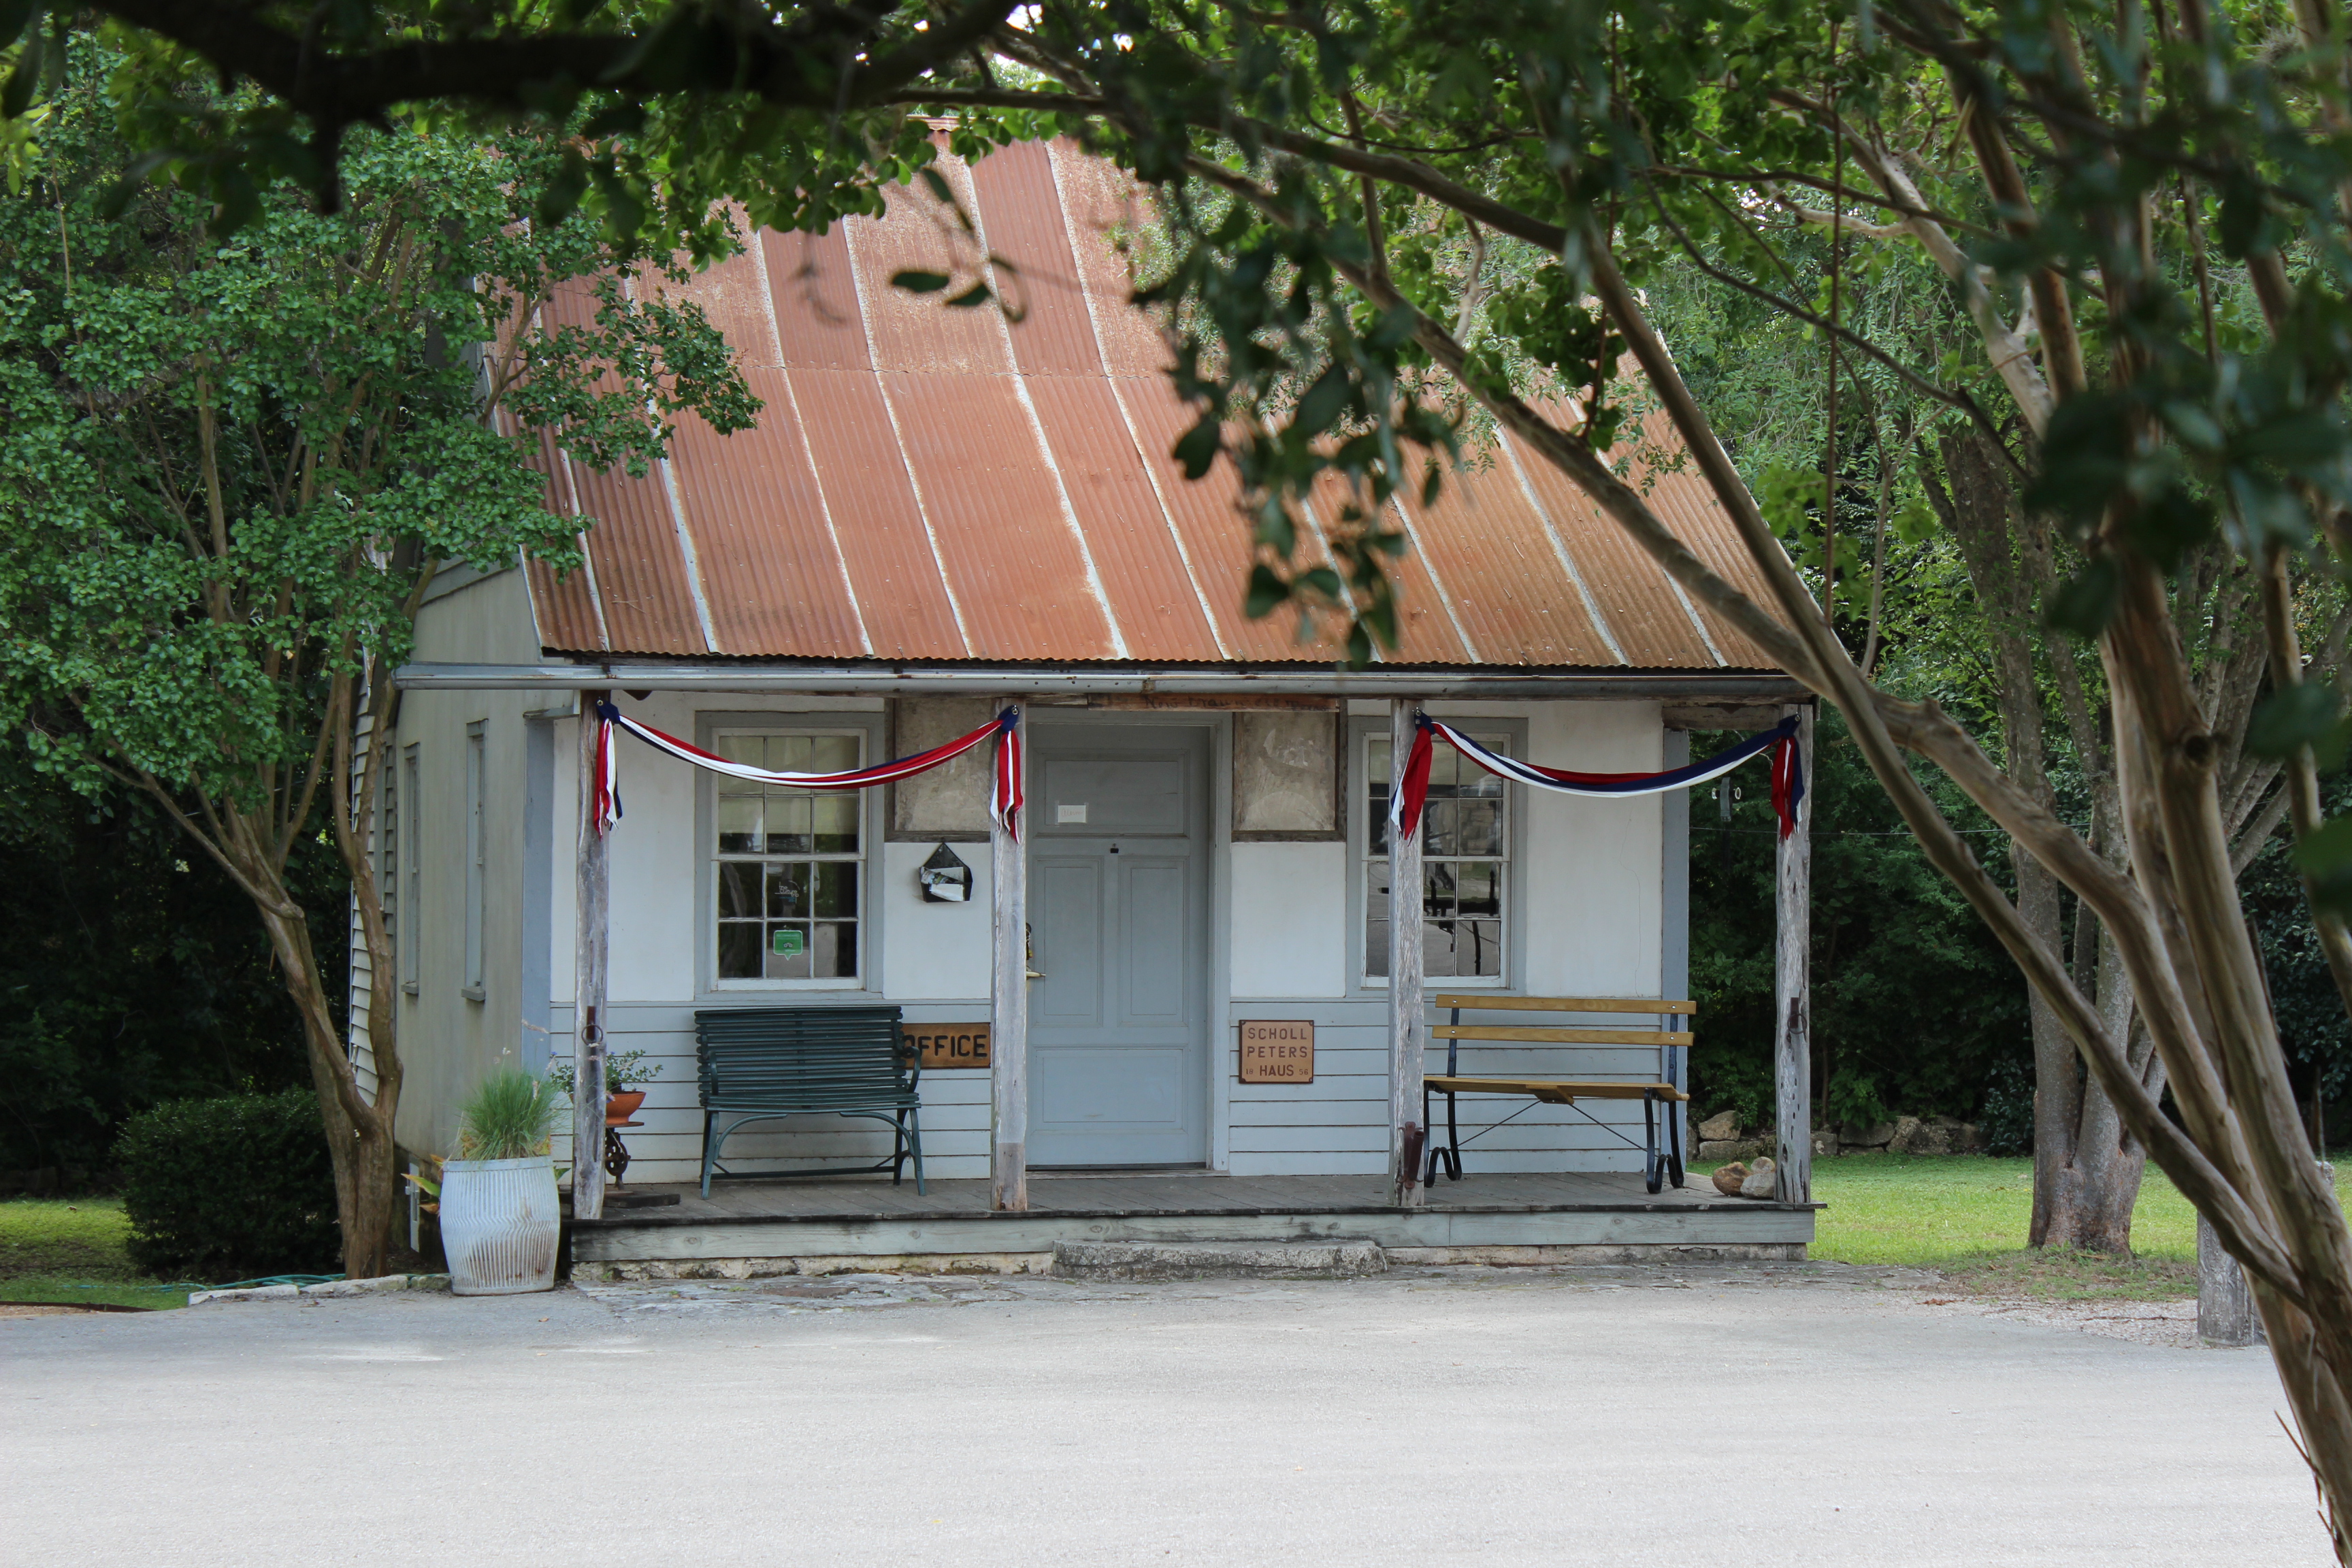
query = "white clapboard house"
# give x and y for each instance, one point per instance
(943, 515)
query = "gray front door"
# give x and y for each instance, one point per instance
(1118, 864)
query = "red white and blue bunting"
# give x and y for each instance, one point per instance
(1788, 773)
(1004, 792)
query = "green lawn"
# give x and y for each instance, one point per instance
(74, 1250)
(1966, 1215)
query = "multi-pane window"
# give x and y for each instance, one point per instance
(790, 862)
(1465, 859)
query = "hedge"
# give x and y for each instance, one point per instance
(230, 1188)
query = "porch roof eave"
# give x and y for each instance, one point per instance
(867, 678)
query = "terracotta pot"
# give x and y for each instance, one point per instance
(622, 1104)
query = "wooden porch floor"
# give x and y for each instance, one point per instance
(870, 1216)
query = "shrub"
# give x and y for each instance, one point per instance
(510, 1115)
(230, 1188)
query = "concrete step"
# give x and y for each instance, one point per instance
(1335, 1259)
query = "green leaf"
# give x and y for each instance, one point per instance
(17, 96)
(977, 294)
(1323, 403)
(119, 195)
(2327, 852)
(2087, 602)
(563, 191)
(13, 14)
(1197, 449)
(915, 281)
(1267, 592)
(936, 184)
(2242, 216)
(2289, 719)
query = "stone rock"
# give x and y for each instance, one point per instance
(1913, 1136)
(1955, 1136)
(1721, 1127)
(1734, 1148)
(1854, 1135)
(1761, 1180)
(1825, 1145)
(1216, 1261)
(1729, 1178)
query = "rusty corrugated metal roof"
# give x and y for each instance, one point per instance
(950, 485)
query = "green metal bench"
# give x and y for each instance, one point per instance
(757, 1064)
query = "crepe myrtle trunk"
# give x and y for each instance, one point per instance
(366, 1167)
(2086, 1168)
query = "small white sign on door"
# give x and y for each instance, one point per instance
(1070, 813)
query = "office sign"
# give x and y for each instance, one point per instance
(940, 1046)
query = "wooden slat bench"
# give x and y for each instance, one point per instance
(1659, 1094)
(757, 1064)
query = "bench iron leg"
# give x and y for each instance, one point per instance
(709, 1154)
(1675, 1144)
(1429, 1166)
(1653, 1173)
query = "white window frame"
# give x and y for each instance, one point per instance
(866, 729)
(477, 856)
(1507, 736)
(412, 867)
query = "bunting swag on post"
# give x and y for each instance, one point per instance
(1788, 773)
(1004, 792)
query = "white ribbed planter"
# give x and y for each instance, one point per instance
(499, 1225)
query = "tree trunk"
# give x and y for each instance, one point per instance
(2087, 1172)
(2086, 1168)
(367, 1174)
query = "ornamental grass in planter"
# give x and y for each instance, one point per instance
(500, 1220)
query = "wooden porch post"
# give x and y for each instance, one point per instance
(1792, 994)
(1008, 1051)
(588, 985)
(1407, 1136)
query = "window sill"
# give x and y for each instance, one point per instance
(408, 988)
(473, 994)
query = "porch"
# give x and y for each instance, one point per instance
(1498, 1217)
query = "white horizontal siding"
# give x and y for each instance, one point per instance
(668, 1147)
(1336, 1125)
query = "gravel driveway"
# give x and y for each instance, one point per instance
(1734, 1415)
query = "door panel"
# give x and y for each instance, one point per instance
(1114, 1088)
(1133, 794)
(1155, 916)
(1065, 907)
(1118, 908)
